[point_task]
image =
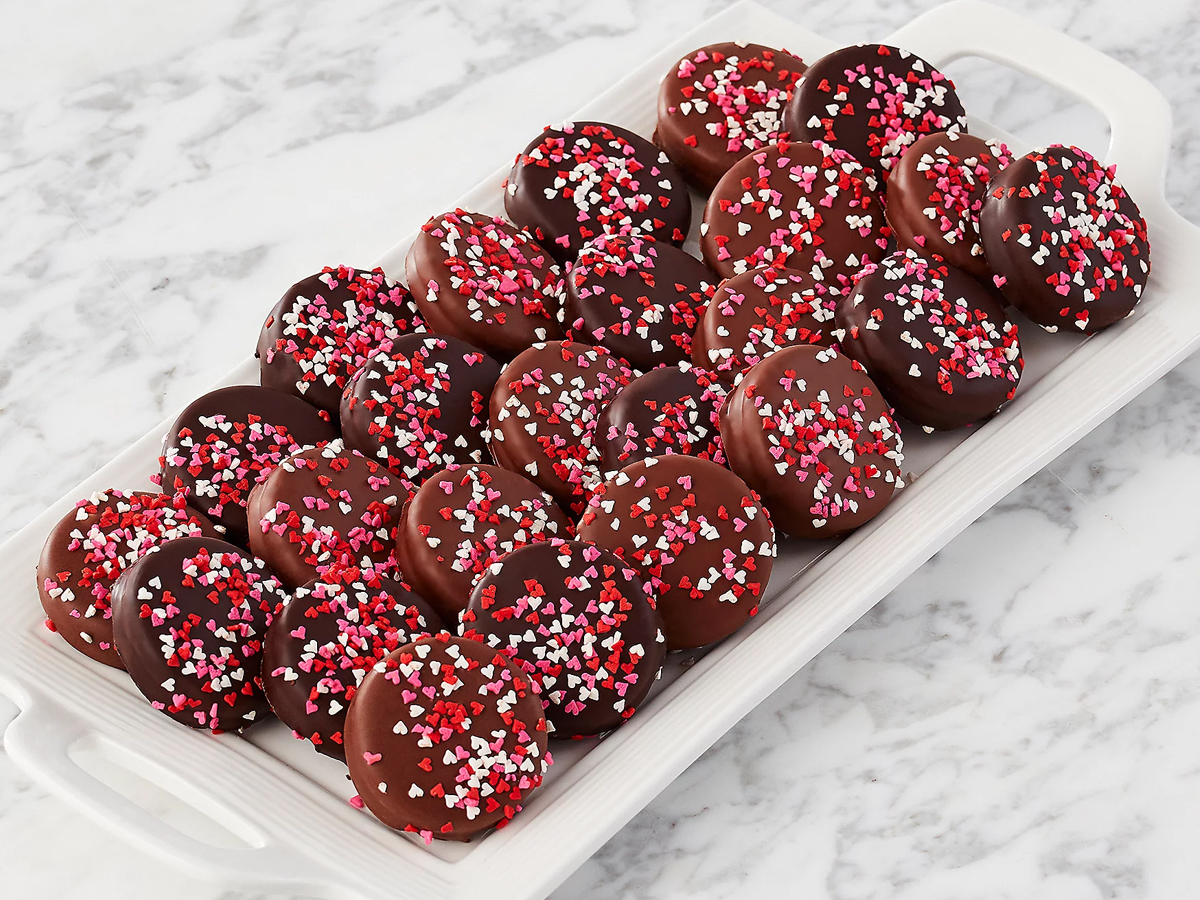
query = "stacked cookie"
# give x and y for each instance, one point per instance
(454, 525)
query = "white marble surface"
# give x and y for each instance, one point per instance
(1019, 719)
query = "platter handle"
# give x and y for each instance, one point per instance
(47, 742)
(1137, 112)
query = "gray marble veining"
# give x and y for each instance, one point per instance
(1017, 720)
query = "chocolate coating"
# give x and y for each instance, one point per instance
(486, 281)
(667, 410)
(228, 441)
(325, 327)
(421, 406)
(699, 536)
(445, 739)
(757, 313)
(582, 625)
(639, 298)
(544, 413)
(463, 519)
(809, 207)
(583, 179)
(329, 506)
(810, 431)
(1068, 245)
(934, 339)
(324, 641)
(720, 102)
(935, 194)
(189, 619)
(90, 547)
(872, 101)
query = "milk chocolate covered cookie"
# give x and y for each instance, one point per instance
(189, 619)
(1067, 243)
(90, 547)
(811, 432)
(486, 281)
(698, 535)
(325, 327)
(809, 207)
(330, 633)
(463, 519)
(935, 340)
(668, 410)
(421, 406)
(329, 506)
(720, 102)
(936, 192)
(873, 101)
(446, 739)
(639, 298)
(228, 441)
(581, 623)
(757, 313)
(545, 410)
(583, 179)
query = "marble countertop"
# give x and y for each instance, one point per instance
(1017, 720)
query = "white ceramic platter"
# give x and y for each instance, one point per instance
(264, 812)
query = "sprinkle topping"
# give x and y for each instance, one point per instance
(672, 409)
(325, 507)
(580, 180)
(445, 739)
(812, 433)
(1067, 242)
(810, 207)
(330, 633)
(639, 298)
(581, 623)
(488, 278)
(544, 413)
(190, 620)
(758, 312)
(326, 327)
(937, 342)
(88, 550)
(696, 533)
(421, 406)
(873, 101)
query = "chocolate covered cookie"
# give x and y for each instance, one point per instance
(810, 431)
(872, 101)
(581, 623)
(545, 410)
(328, 636)
(935, 340)
(486, 281)
(189, 619)
(1067, 243)
(421, 406)
(935, 194)
(757, 313)
(228, 441)
(446, 739)
(90, 547)
(667, 410)
(583, 179)
(329, 506)
(809, 207)
(639, 298)
(463, 519)
(325, 327)
(720, 102)
(697, 534)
